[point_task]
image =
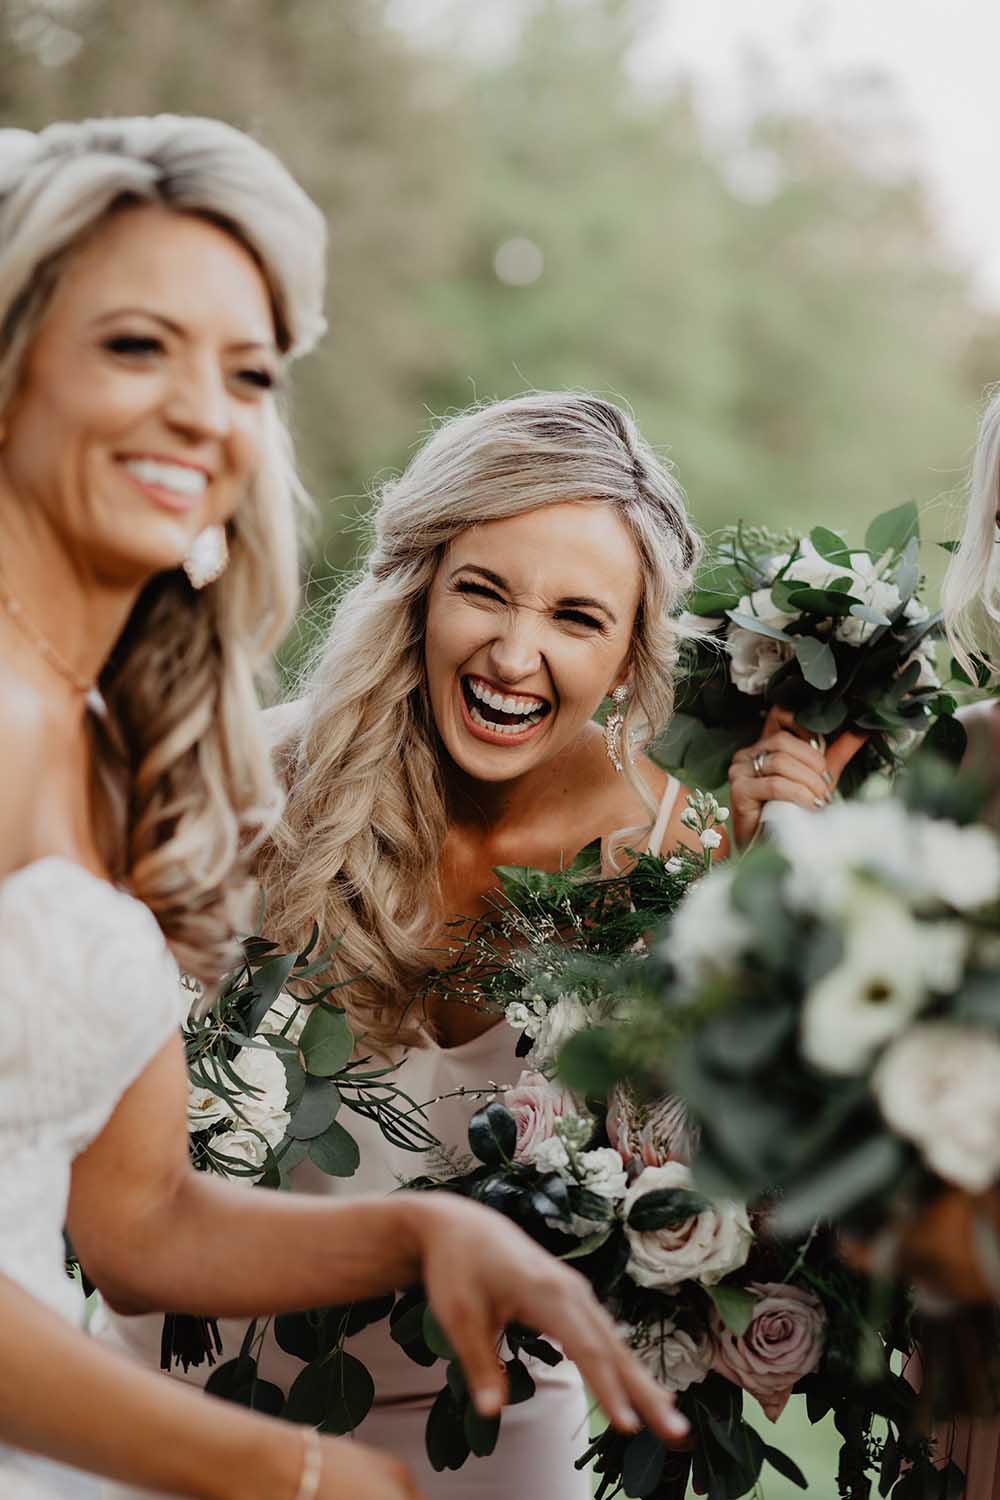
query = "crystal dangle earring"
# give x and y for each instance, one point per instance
(208, 557)
(614, 726)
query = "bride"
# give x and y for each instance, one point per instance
(525, 567)
(155, 276)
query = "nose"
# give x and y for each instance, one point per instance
(198, 403)
(515, 651)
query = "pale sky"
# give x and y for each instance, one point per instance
(942, 58)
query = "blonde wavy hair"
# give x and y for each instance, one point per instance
(183, 778)
(358, 848)
(970, 595)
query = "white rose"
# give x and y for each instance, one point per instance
(675, 1359)
(551, 1155)
(938, 1085)
(563, 1020)
(710, 838)
(204, 1108)
(878, 595)
(247, 1148)
(754, 658)
(266, 1109)
(603, 1173)
(704, 1248)
(959, 866)
(879, 985)
(707, 936)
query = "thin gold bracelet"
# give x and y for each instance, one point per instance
(312, 1465)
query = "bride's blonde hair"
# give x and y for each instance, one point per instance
(183, 776)
(970, 595)
(358, 848)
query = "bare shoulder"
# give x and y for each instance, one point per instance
(25, 742)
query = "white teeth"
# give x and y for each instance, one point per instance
(529, 723)
(505, 705)
(178, 478)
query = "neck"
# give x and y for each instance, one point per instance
(488, 805)
(60, 594)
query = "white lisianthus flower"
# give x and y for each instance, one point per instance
(563, 1020)
(722, 814)
(707, 936)
(673, 865)
(266, 1110)
(674, 1358)
(520, 1018)
(247, 1148)
(704, 1248)
(890, 966)
(603, 1173)
(710, 838)
(914, 612)
(938, 1085)
(754, 658)
(204, 1108)
(960, 866)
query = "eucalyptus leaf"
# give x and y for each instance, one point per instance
(238, 1381)
(520, 1382)
(851, 1180)
(759, 627)
(818, 663)
(326, 1042)
(335, 1152)
(785, 1466)
(643, 1464)
(893, 529)
(481, 1433)
(316, 1110)
(334, 1394)
(444, 1435)
(831, 546)
(268, 982)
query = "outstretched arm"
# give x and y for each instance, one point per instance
(155, 1234)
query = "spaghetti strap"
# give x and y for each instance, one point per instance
(663, 816)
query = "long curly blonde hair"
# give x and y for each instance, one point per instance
(183, 779)
(359, 846)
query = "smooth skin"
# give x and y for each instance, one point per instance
(159, 342)
(539, 605)
(800, 768)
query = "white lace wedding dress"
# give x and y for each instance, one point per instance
(89, 994)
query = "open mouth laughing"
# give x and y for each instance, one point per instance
(501, 717)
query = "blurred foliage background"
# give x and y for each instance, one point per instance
(784, 321)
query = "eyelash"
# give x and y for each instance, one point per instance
(133, 345)
(574, 616)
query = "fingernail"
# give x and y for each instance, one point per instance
(679, 1424)
(814, 742)
(628, 1420)
(828, 777)
(487, 1401)
(820, 802)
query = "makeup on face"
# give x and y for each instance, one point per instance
(529, 626)
(144, 403)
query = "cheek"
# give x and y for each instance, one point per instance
(453, 634)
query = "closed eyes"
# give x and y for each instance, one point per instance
(570, 616)
(141, 346)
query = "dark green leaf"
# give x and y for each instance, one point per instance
(735, 1306)
(300, 1334)
(824, 716)
(316, 1110)
(520, 1383)
(665, 1208)
(335, 1152)
(407, 1326)
(891, 531)
(946, 738)
(831, 546)
(237, 1381)
(268, 982)
(827, 603)
(642, 1465)
(851, 1180)
(493, 1134)
(435, 1337)
(447, 1445)
(818, 663)
(326, 1042)
(950, 546)
(334, 1394)
(481, 1433)
(785, 1467)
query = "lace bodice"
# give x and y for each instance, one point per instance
(88, 993)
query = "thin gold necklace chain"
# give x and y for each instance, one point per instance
(15, 609)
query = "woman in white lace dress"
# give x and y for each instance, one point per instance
(525, 567)
(155, 275)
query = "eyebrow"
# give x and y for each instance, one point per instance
(244, 346)
(570, 602)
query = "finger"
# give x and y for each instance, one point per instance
(654, 1405)
(474, 1337)
(805, 750)
(757, 790)
(778, 763)
(843, 750)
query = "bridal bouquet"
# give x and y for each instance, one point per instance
(840, 636)
(707, 1296)
(272, 1067)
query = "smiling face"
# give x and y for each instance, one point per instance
(144, 404)
(529, 625)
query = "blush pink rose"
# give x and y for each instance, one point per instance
(536, 1105)
(650, 1134)
(784, 1342)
